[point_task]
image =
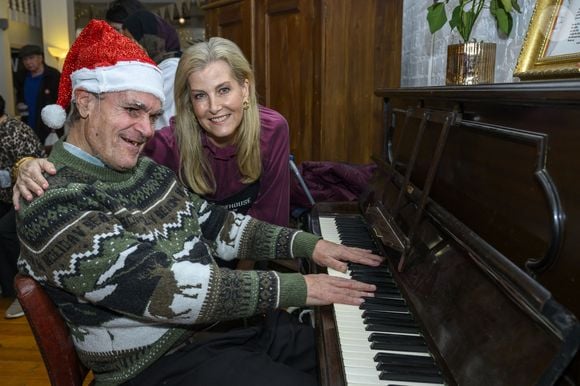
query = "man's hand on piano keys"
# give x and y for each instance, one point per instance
(335, 256)
(323, 289)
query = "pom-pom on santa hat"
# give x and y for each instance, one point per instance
(102, 60)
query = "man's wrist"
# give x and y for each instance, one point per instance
(293, 290)
(303, 244)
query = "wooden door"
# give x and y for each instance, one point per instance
(362, 52)
(231, 20)
(288, 51)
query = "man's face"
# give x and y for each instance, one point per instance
(118, 124)
(32, 63)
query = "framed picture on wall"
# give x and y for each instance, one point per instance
(551, 49)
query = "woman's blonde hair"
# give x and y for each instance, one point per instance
(195, 169)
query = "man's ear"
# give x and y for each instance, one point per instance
(83, 101)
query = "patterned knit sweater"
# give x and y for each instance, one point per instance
(128, 259)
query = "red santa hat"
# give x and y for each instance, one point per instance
(102, 60)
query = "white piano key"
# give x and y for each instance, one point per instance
(364, 379)
(359, 377)
(333, 272)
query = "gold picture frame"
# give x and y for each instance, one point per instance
(551, 49)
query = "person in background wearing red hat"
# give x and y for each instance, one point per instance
(36, 87)
(127, 252)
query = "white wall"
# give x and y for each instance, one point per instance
(58, 29)
(21, 34)
(425, 55)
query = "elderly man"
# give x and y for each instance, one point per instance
(126, 251)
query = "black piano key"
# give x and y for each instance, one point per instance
(383, 303)
(432, 371)
(383, 287)
(355, 267)
(354, 234)
(346, 221)
(354, 242)
(388, 346)
(371, 273)
(353, 230)
(382, 299)
(378, 306)
(401, 368)
(391, 296)
(396, 328)
(400, 323)
(404, 360)
(392, 342)
(410, 340)
(379, 281)
(381, 326)
(385, 292)
(386, 317)
(410, 377)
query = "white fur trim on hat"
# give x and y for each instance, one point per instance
(53, 116)
(123, 76)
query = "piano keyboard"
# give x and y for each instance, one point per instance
(380, 341)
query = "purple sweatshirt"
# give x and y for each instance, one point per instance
(272, 203)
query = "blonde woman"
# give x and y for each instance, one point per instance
(224, 145)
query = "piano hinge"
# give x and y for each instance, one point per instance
(385, 228)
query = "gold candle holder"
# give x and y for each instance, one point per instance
(470, 63)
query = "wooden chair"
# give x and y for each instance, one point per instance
(51, 333)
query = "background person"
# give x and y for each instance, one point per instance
(126, 251)
(36, 87)
(119, 10)
(17, 141)
(157, 38)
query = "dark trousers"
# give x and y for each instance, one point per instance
(280, 352)
(9, 249)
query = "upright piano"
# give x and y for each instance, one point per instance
(475, 204)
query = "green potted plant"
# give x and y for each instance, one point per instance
(471, 62)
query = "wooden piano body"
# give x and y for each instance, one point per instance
(476, 204)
